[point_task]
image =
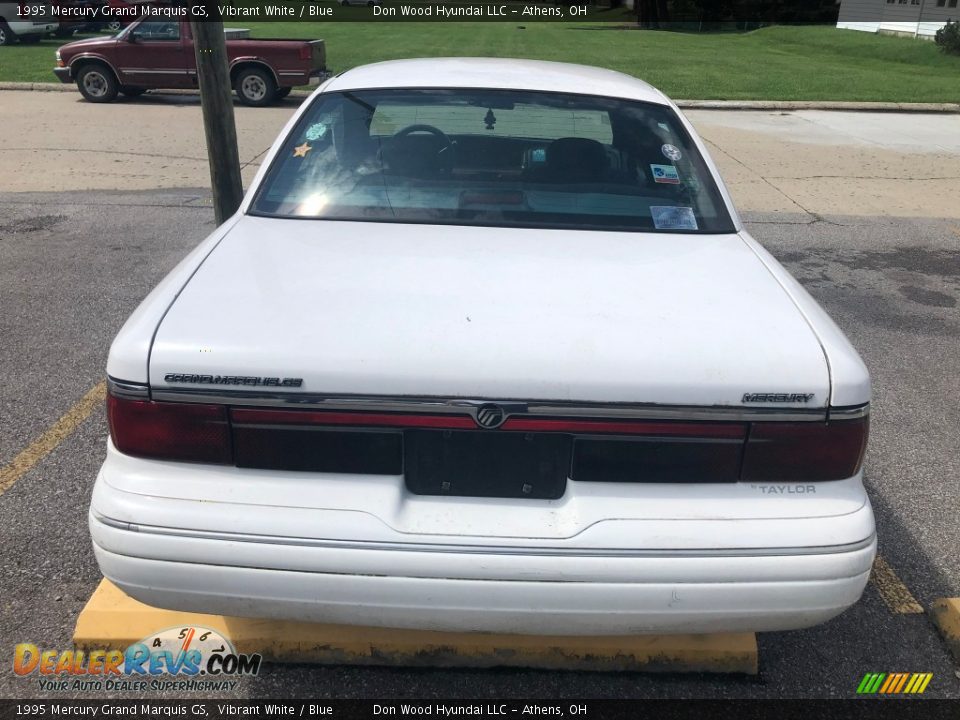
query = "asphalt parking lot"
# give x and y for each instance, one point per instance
(865, 224)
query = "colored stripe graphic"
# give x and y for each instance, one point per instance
(894, 683)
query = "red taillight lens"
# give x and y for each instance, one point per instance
(244, 416)
(805, 451)
(170, 431)
(730, 431)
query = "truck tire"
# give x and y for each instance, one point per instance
(255, 87)
(6, 34)
(97, 83)
(283, 92)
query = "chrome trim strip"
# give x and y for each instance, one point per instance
(128, 390)
(160, 71)
(465, 406)
(850, 413)
(479, 549)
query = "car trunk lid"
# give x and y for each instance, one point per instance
(386, 309)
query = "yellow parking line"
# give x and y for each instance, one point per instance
(891, 588)
(58, 432)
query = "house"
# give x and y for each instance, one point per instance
(911, 18)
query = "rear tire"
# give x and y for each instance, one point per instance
(255, 87)
(97, 83)
(282, 92)
(6, 34)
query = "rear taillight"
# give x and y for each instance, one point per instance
(610, 450)
(805, 451)
(170, 431)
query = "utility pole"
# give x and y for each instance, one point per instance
(213, 77)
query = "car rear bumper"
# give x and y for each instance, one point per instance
(636, 605)
(282, 558)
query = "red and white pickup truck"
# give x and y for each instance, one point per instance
(154, 54)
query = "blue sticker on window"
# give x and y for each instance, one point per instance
(316, 131)
(539, 155)
(673, 218)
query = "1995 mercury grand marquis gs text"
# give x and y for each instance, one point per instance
(487, 349)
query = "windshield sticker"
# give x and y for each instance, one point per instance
(673, 218)
(316, 131)
(671, 152)
(302, 150)
(665, 174)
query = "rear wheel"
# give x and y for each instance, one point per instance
(97, 84)
(255, 87)
(282, 92)
(6, 35)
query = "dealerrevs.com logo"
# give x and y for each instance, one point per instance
(176, 659)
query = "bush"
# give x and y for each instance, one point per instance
(948, 37)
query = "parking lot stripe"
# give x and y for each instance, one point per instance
(946, 616)
(895, 594)
(58, 432)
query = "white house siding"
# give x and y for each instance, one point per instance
(915, 20)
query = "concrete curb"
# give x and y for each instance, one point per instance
(946, 616)
(111, 620)
(766, 105)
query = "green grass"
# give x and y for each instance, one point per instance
(776, 63)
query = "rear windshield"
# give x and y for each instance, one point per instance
(493, 157)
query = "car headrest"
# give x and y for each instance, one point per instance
(573, 159)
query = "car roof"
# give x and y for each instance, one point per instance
(499, 73)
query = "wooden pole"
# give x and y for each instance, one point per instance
(213, 77)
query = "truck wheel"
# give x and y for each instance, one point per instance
(255, 87)
(282, 92)
(6, 35)
(97, 84)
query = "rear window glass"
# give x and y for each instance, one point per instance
(493, 157)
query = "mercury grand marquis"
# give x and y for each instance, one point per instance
(487, 348)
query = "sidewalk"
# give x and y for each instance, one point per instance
(807, 162)
(838, 105)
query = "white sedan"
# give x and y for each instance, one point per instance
(487, 348)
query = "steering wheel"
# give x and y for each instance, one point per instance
(416, 159)
(437, 132)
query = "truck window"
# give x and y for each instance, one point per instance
(158, 30)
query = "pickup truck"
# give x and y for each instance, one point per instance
(155, 54)
(26, 24)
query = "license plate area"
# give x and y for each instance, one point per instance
(466, 463)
